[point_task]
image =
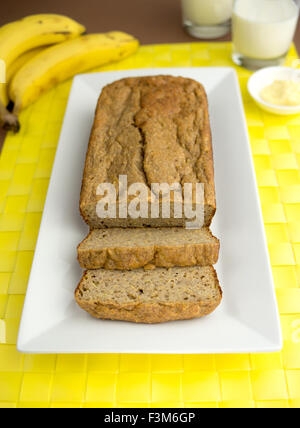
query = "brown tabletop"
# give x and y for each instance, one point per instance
(151, 21)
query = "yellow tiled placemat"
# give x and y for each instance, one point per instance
(271, 380)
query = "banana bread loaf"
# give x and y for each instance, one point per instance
(154, 130)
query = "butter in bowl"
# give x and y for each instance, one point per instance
(276, 90)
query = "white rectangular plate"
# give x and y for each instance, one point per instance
(247, 320)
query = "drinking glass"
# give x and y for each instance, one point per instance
(263, 31)
(207, 19)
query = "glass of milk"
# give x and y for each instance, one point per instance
(263, 31)
(207, 19)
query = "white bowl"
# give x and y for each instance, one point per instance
(265, 77)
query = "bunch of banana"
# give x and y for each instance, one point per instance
(21, 36)
(62, 61)
(33, 67)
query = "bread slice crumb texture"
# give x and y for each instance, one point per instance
(160, 285)
(140, 237)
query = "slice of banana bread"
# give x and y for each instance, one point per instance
(135, 248)
(149, 297)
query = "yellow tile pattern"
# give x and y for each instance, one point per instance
(143, 380)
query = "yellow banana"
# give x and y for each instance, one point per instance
(16, 65)
(60, 62)
(31, 32)
(20, 61)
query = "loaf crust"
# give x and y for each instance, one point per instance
(135, 256)
(150, 312)
(154, 130)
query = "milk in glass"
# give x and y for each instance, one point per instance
(207, 18)
(263, 31)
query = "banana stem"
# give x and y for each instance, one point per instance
(8, 121)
